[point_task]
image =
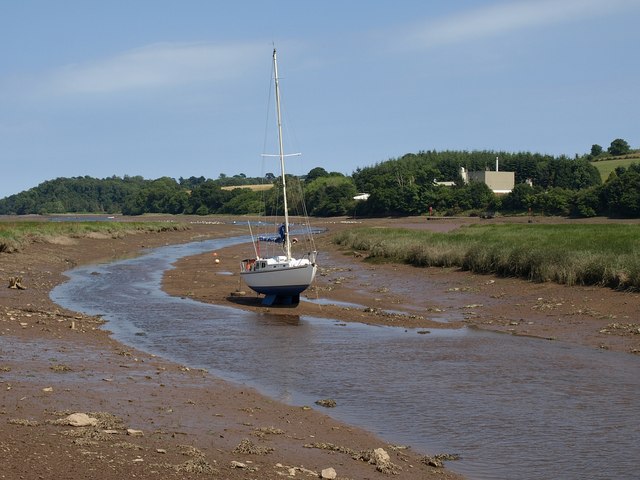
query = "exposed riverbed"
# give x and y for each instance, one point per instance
(512, 407)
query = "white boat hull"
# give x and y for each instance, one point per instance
(279, 278)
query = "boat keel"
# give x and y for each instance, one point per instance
(289, 300)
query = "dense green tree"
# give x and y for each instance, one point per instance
(73, 195)
(596, 150)
(22, 204)
(584, 175)
(619, 147)
(273, 203)
(396, 187)
(565, 173)
(159, 196)
(473, 196)
(438, 198)
(448, 170)
(314, 173)
(620, 196)
(163, 195)
(208, 194)
(239, 180)
(191, 182)
(329, 196)
(520, 199)
(587, 202)
(243, 201)
(553, 201)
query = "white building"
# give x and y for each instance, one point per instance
(499, 182)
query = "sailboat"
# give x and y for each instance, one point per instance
(281, 277)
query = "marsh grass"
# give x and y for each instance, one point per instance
(582, 254)
(14, 235)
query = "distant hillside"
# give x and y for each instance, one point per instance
(136, 195)
(409, 185)
(73, 195)
(605, 167)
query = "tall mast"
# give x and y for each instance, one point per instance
(281, 148)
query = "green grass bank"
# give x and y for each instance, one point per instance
(14, 235)
(579, 254)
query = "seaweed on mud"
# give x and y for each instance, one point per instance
(108, 421)
(61, 368)
(264, 431)
(127, 446)
(196, 465)
(190, 451)
(87, 433)
(246, 446)
(438, 460)
(23, 422)
(368, 456)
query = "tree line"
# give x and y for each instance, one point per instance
(402, 186)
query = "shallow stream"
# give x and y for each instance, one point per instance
(512, 407)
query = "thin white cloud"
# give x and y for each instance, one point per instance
(503, 17)
(157, 65)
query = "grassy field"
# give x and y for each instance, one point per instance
(14, 235)
(605, 167)
(255, 188)
(583, 254)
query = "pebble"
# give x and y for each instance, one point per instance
(81, 420)
(328, 473)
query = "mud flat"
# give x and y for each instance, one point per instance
(151, 418)
(146, 417)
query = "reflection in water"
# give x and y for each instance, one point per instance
(513, 407)
(277, 319)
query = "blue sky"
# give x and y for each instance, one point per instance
(180, 88)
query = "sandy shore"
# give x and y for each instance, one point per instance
(157, 419)
(151, 418)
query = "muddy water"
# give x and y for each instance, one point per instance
(511, 407)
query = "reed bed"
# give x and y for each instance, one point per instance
(14, 235)
(580, 254)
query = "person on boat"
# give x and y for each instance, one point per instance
(282, 231)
